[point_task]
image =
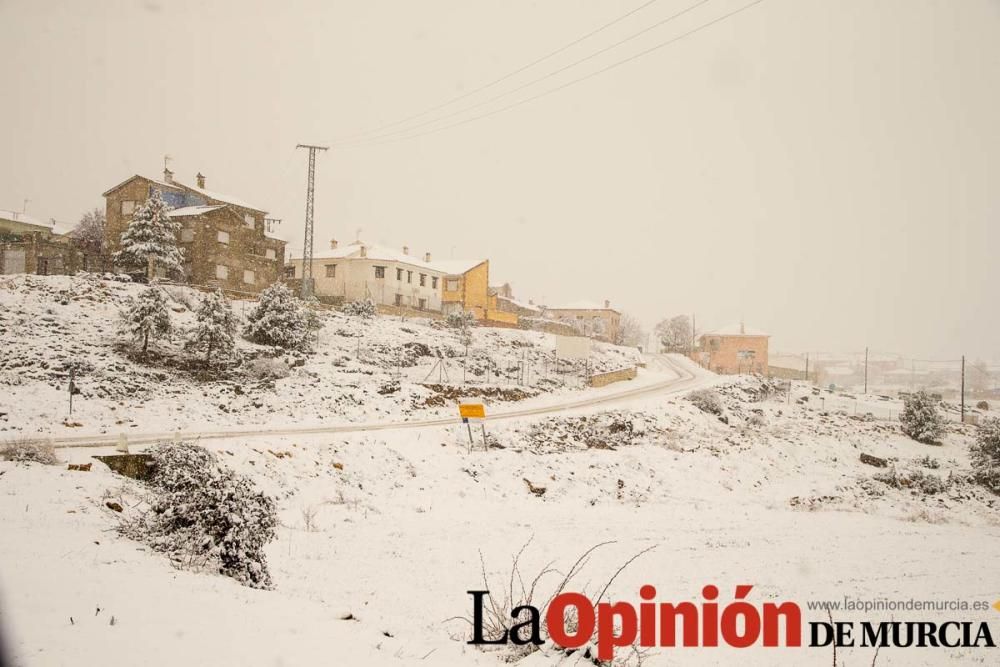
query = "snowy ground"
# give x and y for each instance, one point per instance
(378, 370)
(776, 497)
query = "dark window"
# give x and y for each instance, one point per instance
(331, 270)
(399, 299)
(399, 275)
(380, 272)
(422, 304)
(409, 276)
(423, 279)
(434, 282)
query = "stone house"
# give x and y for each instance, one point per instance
(733, 350)
(590, 319)
(225, 240)
(28, 245)
(506, 303)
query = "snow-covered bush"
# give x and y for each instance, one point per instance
(146, 316)
(921, 419)
(264, 368)
(25, 451)
(363, 308)
(460, 320)
(706, 400)
(202, 511)
(215, 331)
(278, 319)
(150, 240)
(985, 455)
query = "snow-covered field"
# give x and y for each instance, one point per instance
(382, 532)
(383, 369)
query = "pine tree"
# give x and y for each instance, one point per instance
(146, 317)
(151, 238)
(278, 319)
(215, 331)
(921, 419)
(985, 455)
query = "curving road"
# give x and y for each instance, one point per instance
(688, 377)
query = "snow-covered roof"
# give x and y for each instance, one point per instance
(218, 196)
(193, 210)
(382, 253)
(23, 218)
(456, 267)
(519, 304)
(162, 184)
(581, 305)
(736, 330)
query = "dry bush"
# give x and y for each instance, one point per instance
(24, 450)
(706, 400)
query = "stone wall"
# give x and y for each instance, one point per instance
(604, 379)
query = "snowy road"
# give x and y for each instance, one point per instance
(687, 377)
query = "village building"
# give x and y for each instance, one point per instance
(224, 239)
(396, 279)
(589, 318)
(389, 277)
(733, 350)
(28, 245)
(506, 303)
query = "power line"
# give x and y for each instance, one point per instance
(503, 78)
(544, 77)
(572, 82)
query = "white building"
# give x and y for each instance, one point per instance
(362, 270)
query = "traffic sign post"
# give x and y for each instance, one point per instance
(473, 412)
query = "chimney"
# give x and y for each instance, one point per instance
(742, 328)
(406, 250)
(201, 180)
(427, 257)
(364, 251)
(607, 304)
(168, 176)
(333, 244)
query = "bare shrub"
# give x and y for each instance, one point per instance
(23, 450)
(268, 368)
(706, 400)
(516, 590)
(309, 518)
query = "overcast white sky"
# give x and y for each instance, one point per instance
(826, 169)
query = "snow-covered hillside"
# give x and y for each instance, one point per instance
(361, 370)
(382, 534)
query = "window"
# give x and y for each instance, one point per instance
(399, 275)
(290, 271)
(746, 354)
(248, 220)
(331, 270)
(270, 253)
(422, 304)
(409, 276)
(423, 279)
(399, 299)
(249, 278)
(223, 237)
(434, 282)
(221, 272)
(452, 285)
(128, 206)
(187, 235)
(380, 272)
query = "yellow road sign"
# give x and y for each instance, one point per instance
(472, 410)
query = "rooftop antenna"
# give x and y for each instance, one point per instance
(307, 251)
(24, 207)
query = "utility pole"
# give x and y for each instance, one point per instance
(307, 250)
(963, 388)
(866, 370)
(807, 367)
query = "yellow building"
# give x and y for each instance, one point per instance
(467, 289)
